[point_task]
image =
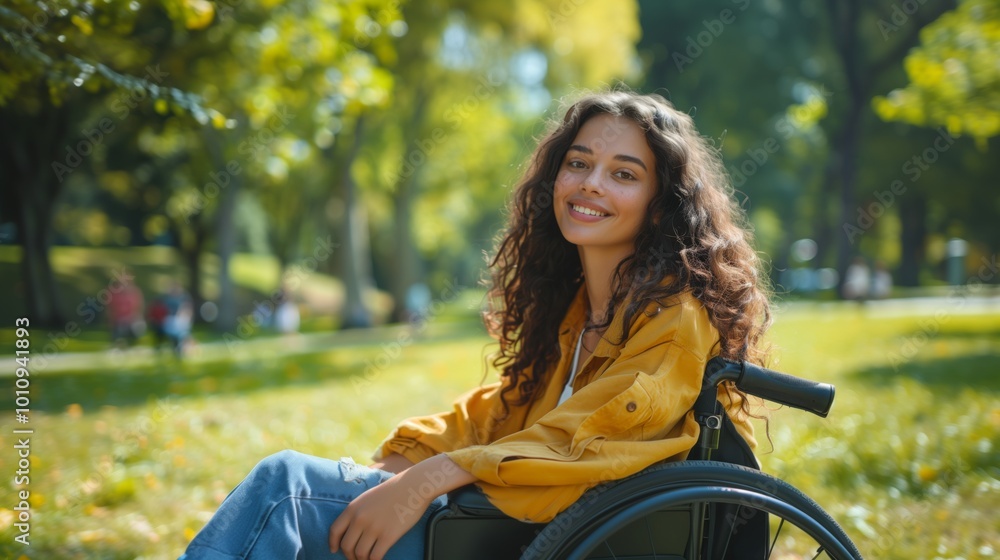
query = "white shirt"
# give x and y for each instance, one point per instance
(568, 389)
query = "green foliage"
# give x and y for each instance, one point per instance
(61, 47)
(954, 79)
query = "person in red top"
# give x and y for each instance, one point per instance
(158, 312)
(625, 265)
(125, 314)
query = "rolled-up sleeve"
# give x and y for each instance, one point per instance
(423, 437)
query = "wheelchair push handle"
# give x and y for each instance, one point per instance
(804, 394)
(771, 385)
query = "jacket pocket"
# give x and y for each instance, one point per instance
(627, 410)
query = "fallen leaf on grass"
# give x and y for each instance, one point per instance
(74, 411)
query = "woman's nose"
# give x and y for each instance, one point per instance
(592, 182)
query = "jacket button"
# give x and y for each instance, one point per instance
(630, 407)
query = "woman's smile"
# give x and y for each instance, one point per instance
(587, 212)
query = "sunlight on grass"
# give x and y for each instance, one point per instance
(907, 461)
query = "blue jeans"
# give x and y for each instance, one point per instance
(284, 508)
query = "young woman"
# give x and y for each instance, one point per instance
(624, 268)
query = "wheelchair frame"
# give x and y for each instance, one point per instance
(704, 501)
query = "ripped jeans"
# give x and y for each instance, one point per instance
(284, 508)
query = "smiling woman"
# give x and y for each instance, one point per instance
(623, 269)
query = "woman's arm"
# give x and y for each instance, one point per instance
(376, 519)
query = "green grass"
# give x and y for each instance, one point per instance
(131, 463)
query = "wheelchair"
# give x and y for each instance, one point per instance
(716, 505)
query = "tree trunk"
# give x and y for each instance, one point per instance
(913, 215)
(355, 248)
(826, 232)
(845, 16)
(190, 249)
(848, 148)
(226, 241)
(35, 275)
(225, 233)
(28, 166)
(192, 258)
(405, 267)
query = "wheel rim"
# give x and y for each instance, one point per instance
(597, 540)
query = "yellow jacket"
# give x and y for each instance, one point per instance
(630, 408)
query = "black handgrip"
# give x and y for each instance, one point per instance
(771, 385)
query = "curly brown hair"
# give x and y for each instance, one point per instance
(694, 237)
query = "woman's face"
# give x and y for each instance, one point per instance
(605, 184)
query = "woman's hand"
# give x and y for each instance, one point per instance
(378, 518)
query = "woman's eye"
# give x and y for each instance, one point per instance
(576, 164)
(626, 175)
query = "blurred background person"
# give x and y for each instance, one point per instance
(286, 314)
(125, 315)
(881, 281)
(177, 323)
(857, 281)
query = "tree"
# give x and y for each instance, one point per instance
(954, 85)
(833, 158)
(853, 45)
(954, 79)
(293, 75)
(61, 62)
(255, 64)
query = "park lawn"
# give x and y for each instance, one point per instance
(907, 461)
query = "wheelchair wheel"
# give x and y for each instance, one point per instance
(693, 510)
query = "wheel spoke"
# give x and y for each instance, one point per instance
(775, 541)
(615, 557)
(649, 532)
(732, 530)
(818, 552)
